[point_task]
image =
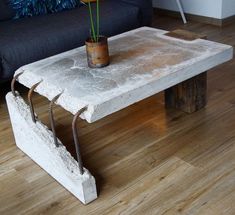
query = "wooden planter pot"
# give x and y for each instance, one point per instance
(97, 52)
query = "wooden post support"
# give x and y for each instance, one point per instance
(190, 95)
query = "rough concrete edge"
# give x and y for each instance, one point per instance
(69, 164)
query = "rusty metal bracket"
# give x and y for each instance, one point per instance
(13, 83)
(51, 117)
(30, 94)
(75, 137)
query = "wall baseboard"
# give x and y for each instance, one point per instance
(198, 18)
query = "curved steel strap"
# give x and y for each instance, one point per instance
(51, 117)
(75, 137)
(13, 83)
(30, 94)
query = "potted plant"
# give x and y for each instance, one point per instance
(96, 44)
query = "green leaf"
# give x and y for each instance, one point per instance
(92, 23)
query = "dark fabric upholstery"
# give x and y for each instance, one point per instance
(146, 10)
(5, 10)
(27, 40)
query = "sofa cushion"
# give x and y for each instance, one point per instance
(26, 40)
(28, 8)
(6, 11)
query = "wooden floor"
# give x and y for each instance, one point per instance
(146, 160)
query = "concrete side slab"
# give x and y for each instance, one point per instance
(36, 140)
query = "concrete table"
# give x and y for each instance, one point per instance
(144, 62)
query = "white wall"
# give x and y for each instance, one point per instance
(209, 8)
(228, 8)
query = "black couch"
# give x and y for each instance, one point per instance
(27, 40)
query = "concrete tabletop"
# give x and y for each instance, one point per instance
(143, 62)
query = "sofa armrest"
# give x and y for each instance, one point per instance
(146, 10)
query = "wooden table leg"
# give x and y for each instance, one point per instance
(188, 96)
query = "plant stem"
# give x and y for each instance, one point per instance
(97, 20)
(93, 37)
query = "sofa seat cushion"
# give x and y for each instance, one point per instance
(146, 10)
(27, 40)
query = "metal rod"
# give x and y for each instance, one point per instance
(30, 94)
(51, 117)
(181, 11)
(13, 83)
(75, 137)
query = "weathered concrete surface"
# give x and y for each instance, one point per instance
(36, 140)
(143, 62)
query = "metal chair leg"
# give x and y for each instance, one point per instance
(30, 94)
(181, 11)
(51, 117)
(13, 83)
(75, 137)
